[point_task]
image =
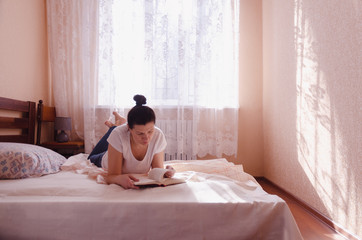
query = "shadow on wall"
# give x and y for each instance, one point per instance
(288, 155)
(328, 105)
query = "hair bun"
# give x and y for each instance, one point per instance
(140, 100)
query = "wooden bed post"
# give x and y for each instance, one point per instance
(31, 128)
(38, 118)
(45, 114)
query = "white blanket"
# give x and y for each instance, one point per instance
(219, 201)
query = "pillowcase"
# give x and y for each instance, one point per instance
(20, 160)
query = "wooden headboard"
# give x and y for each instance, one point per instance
(25, 120)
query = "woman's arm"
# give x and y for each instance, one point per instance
(115, 176)
(157, 162)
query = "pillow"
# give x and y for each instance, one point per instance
(19, 160)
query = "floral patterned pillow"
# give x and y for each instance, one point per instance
(19, 160)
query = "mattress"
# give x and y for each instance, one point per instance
(218, 201)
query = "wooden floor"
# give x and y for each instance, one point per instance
(310, 227)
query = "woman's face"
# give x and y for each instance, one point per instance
(142, 134)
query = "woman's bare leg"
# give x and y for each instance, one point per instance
(119, 120)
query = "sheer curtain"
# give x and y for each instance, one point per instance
(73, 56)
(182, 55)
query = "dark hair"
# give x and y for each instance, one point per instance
(139, 114)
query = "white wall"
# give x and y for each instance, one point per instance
(312, 104)
(23, 50)
(250, 138)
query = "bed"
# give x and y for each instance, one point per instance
(69, 200)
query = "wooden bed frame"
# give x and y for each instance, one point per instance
(25, 122)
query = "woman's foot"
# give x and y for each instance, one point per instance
(119, 120)
(109, 124)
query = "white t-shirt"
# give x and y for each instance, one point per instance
(120, 140)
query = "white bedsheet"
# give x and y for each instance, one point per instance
(219, 201)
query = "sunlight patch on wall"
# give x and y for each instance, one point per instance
(317, 149)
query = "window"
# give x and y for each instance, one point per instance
(173, 52)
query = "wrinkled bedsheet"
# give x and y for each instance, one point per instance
(218, 201)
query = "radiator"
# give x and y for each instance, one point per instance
(179, 136)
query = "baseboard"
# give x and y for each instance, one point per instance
(320, 216)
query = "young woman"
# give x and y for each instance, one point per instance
(131, 148)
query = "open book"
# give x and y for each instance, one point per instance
(156, 178)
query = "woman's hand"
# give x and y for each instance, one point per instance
(169, 173)
(157, 162)
(124, 180)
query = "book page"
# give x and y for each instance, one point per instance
(157, 174)
(156, 177)
(144, 180)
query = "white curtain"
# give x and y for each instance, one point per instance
(73, 53)
(182, 55)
